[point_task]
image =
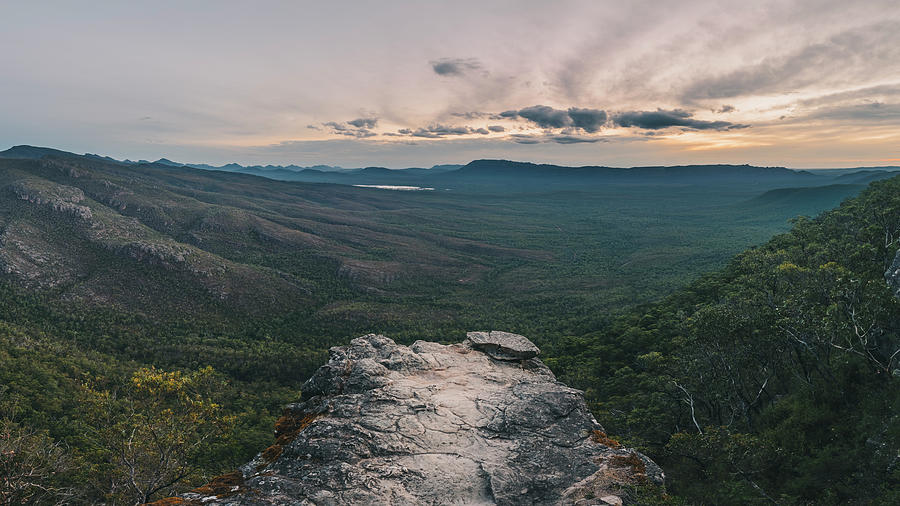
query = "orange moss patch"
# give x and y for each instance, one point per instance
(224, 485)
(168, 501)
(287, 428)
(290, 424)
(635, 463)
(272, 453)
(600, 437)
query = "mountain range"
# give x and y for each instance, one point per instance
(489, 173)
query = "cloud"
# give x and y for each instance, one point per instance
(870, 93)
(868, 49)
(566, 123)
(355, 128)
(724, 109)
(454, 67)
(572, 139)
(872, 105)
(545, 116)
(561, 126)
(361, 133)
(551, 138)
(876, 112)
(659, 119)
(364, 122)
(589, 120)
(437, 130)
(525, 139)
(470, 115)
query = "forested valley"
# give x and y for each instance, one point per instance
(155, 319)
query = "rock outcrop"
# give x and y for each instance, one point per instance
(503, 345)
(29, 254)
(60, 198)
(383, 423)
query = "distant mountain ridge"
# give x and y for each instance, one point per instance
(681, 173)
(34, 152)
(484, 173)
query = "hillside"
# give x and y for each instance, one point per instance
(772, 380)
(123, 283)
(129, 236)
(202, 227)
(803, 200)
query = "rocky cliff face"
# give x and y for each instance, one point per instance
(51, 235)
(62, 199)
(479, 422)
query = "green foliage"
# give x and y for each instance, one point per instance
(155, 435)
(34, 469)
(734, 462)
(772, 380)
(105, 416)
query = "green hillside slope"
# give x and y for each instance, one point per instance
(776, 379)
(121, 284)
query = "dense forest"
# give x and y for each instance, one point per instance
(774, 379)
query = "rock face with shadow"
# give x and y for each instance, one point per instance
(479, 422)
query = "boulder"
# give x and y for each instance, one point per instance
(503, 345)
(386, 424)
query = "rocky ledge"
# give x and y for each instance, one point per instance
(60, 198)
(479, 422)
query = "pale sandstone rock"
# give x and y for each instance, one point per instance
(383, 423)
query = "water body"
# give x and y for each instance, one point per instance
(394, 187)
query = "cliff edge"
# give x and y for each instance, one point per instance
(479, 422)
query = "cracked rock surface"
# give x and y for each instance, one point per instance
(384, 423)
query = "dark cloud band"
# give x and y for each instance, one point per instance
(437, 131)
(360, 127)
(660, 118)
(364, 122)
(455, 66)
(589, 120)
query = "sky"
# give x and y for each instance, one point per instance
(805, 84)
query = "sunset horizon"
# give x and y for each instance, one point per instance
(801, 84)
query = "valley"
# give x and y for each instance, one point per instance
(111, 268)
(547, 255)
